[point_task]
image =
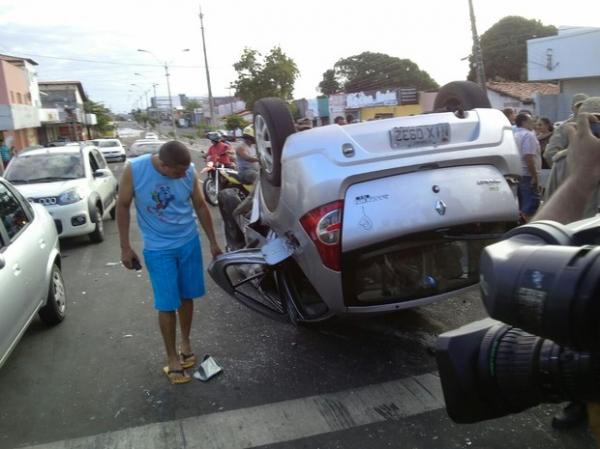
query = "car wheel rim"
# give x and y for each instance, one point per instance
(58, 290)
(212, 191)
(264, 146)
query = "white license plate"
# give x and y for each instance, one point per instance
(420, 136)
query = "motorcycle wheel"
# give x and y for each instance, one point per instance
(209, 188)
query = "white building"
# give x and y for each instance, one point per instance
(572, 58)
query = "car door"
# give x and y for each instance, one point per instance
(19, 261)
(104, 185)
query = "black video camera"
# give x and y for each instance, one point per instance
(544, 280)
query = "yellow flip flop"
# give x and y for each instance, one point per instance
(177, 376)
(187, 360)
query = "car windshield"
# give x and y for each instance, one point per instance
(46, 167)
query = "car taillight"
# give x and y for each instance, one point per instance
(324, 226)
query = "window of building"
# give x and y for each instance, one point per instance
(19, 98)
(12, 96)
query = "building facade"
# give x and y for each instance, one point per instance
(18, 97)
(62, 115)
(571, 59)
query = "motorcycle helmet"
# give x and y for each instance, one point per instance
(213, 136)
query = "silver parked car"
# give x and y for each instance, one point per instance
(30, 277)
(373, 217)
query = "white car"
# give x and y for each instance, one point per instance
(151, 136)
(30, 275)
(372, 217)
(74, 183)
(145, 146)
(112, 149)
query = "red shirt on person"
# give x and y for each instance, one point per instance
(218, 154)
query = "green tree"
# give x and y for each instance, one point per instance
(234, 121)
(329, 85)
(376, 71)
(190, 105)
(504, 47)
(103, 116)
(272, 77)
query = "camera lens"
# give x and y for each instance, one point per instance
(551, 291)
(518, 370)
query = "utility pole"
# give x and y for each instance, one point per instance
(477, 57)
(210, 97)
(170, 101)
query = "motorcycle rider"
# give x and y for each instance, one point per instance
(219, 153)
(245, 152)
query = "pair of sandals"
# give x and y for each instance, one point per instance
(179, 376)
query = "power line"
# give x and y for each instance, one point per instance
(95, 61)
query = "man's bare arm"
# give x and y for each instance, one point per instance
(128, 255)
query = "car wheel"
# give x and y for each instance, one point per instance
(97, 235)
(113, 212)
(273, 123)
(54, 310)
(209, 188)
(463, 95)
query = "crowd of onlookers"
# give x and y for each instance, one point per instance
(544, 146)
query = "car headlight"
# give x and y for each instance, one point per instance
(70, 196)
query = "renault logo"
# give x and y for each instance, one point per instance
(440, 207)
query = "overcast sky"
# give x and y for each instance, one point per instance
(435, 34)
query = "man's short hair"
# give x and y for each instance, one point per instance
(174, 153)
(508, 112)
(339, 119)
(521, 118)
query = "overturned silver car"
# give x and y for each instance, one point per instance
(373, 217)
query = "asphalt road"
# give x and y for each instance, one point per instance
(101, 371)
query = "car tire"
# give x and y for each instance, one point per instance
(209, 190)
(54, 310)
(461, 95)
(273, 123)
(113, 212)
(97, 235)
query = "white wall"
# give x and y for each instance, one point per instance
(590, 86)
(499, 101)
(34, 89)
(573, 53)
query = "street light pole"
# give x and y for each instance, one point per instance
(210, 97)
(167, 75)
(170, 101)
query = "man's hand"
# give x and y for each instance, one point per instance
(129, 258)
(215, 249)
(583, 157)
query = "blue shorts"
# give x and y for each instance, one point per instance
(175, 274)
(529, 199)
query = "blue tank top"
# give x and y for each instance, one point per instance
(164, 208)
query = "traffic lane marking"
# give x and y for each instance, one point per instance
(278, 422)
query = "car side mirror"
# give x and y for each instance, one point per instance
(102, 173)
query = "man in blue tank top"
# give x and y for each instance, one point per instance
(166, 193)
